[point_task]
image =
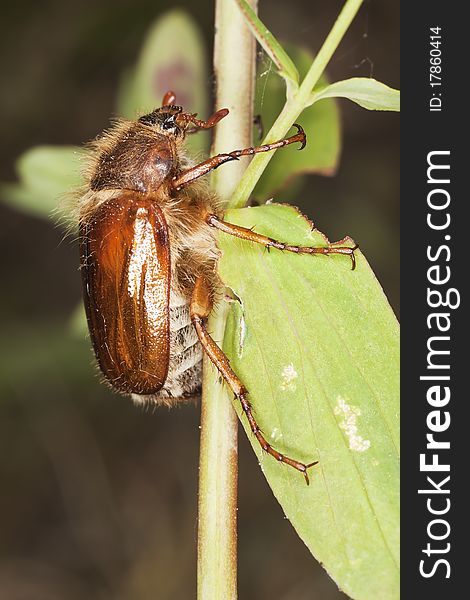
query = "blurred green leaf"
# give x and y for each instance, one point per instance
(320, 122)
(49, 353)
(366, 92)
(45, 173)
(270, 45)
(77, 324)
(316, 344)
(173, 57)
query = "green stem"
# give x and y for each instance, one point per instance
(295, 104)
(234, 65)
(218, 474)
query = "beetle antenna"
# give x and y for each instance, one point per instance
(186, 118)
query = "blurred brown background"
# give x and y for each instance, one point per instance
(98, 498)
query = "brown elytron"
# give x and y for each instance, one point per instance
(125, 255)
(148, 258)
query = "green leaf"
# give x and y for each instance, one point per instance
(316, 345)
(320, 122)
(270, 45)
(46, 173)
(173, 57)
(366, 92)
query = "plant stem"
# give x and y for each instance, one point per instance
(218, 472)
(295, 104)
(234, 65)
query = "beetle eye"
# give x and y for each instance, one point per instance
(169, 123)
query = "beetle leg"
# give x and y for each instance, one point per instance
(251, 236)
(187, 177)
(169, 98)
(201, 305)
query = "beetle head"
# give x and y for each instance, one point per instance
(166, 119)
(171, 119)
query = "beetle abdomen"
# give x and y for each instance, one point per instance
(185, 368)
(126, 272)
